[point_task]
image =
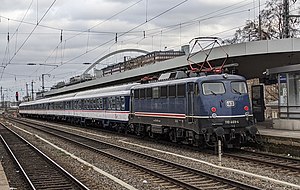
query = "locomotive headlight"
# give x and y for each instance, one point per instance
(214, 115)
(246, 114)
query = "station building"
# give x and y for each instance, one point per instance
(289, 96)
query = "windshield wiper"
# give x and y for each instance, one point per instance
(236, 91)
(213, 92)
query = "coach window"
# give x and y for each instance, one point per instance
(80, 104)
(100, 103)
(84, 104)
(118, 103)
(172, 91)
(91, 104)
(97, 105)
(122, 103)
(155, 92)
(163, 92)
(94, 104)
(87, 104)
(142, 93)
(181, 90)
(113, 103)
(75, 104)
(109, 103)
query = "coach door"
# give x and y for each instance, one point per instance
(133, 94)
(190, 101)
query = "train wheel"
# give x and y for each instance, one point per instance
(172, 136)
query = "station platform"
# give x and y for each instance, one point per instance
(3, 180)
(267, 131)
(282, 141)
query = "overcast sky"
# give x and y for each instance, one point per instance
(59, 36)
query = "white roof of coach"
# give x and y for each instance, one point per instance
(100, 92)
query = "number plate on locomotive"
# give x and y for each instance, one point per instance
(228, 122)
(230, 103)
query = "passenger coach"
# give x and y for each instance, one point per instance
(104, 106)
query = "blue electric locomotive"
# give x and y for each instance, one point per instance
(198, 110)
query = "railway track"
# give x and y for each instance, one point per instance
(37, 168)
(285, 164)
(172, 175)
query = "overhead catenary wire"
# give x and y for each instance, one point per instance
(29, 36)
(116, 37)
(89, 30)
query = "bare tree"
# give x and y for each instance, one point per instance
(271, 25)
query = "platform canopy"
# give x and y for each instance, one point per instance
(253, 58)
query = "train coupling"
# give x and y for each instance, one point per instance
(252, 130)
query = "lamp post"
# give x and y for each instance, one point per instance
(32, 95)
(43, 81)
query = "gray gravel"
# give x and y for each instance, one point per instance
(138, 181)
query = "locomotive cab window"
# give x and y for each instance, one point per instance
(213, 88)
(239, 87)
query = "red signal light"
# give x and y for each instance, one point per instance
(246, 108)
(213, 109)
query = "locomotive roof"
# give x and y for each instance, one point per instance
(215, 77)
